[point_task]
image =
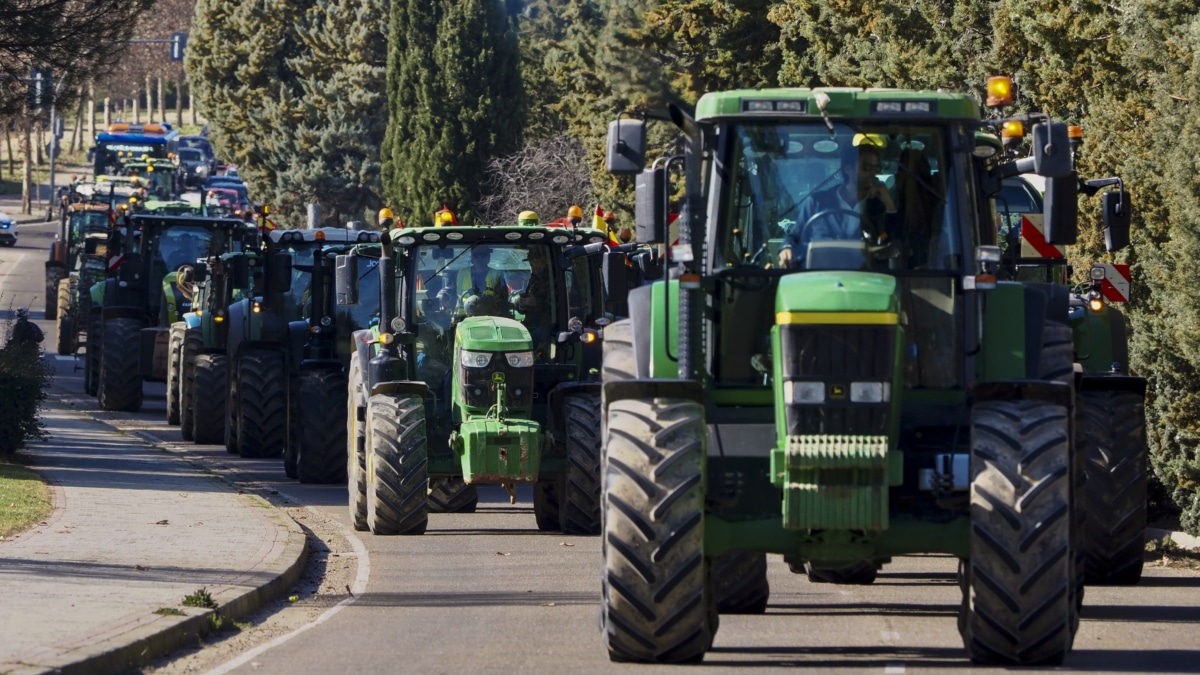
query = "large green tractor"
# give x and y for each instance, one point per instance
(131, 311)
(832, 372)
(1111, 408)
(480, 370)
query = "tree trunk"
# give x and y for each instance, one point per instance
(91, 137)
(77, 130)
(136, 117)
(12, 159)
(192, 104)
(162, 103)
(26, 169)
(179, 102)
(37, 137)
(107, 113)
(149, 101)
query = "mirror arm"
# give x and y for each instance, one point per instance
(1016, 168)
(1091, 187)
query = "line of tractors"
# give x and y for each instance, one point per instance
(830, 342)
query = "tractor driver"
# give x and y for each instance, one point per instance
(480, 284)
(827, 214)
(535, 299)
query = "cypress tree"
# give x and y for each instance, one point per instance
(455, 99)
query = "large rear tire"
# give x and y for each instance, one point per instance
(193, 340)
(321, 448)
(262, 404)
(580, 506)
(66, 342)
(452, 495)
(54, 279)
(91, 360)
(1115, 529)
(208, 406)
(356, 454)
(397, 465)
(120, 378)
(174, 368)
(740, 582)
(1020, 576)
(656, 602)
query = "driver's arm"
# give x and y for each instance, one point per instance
(793, 247)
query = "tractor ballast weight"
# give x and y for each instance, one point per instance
(840, 386)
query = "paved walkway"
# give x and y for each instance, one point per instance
(132, 532)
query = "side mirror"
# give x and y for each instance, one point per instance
(1051, 150)
(626, 149)
(1118, 209)
(345, 280)
(1061, 210)
(615, 273)
(200, 272)
(650, 208)
(279, 272)
(239, 271)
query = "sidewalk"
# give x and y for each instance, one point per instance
(133, 531)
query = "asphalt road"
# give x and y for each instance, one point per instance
(487, 592)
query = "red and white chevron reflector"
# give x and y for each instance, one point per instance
(1115, 286)
(1033, 238)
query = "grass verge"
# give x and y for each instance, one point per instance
(24, 499)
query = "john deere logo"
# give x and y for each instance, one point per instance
(497, 377)
(837, 391)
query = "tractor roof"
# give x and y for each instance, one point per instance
(797, 104)
(500, 234)
(332, 235)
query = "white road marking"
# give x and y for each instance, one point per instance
(13, 265)
(359, 587)
(894, 669)
(889, 636)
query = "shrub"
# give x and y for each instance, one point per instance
(24, 379)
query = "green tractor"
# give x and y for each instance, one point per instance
(833, 372)
(78, 260)
(1111, 410)
(480, 370)
(150, 288)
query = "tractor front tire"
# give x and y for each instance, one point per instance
(66, 341)
(656, 602)
(174, 363)
(1020, 576)
(193, 340)
(356, 452)
(452, 495)
(545, 505)
(208, 403)
(861, 573)
(120, 378)
(580, 505)
(397, 465)
(1115, 530)
(740, 582)
(321, 448)
(262, 403)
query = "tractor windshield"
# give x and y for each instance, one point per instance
(859, 197)
(178, 246)
(487, 280)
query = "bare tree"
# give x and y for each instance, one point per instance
(545, 177)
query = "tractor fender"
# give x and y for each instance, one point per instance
(1113, 382)
(57, 268)
(1056, 393)
(556, 420)
(110, 313)
(361, 340)
(640, 318)
(235, 317)
(297, 335)
(647, 388)
(401, 387)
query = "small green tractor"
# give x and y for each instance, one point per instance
(149, 288)
(480, 370)
(832, 371)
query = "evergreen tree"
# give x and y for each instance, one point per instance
(455, 100)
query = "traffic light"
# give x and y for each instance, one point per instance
(178, 45)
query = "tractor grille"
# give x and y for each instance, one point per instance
(479, 389)
(837, 356)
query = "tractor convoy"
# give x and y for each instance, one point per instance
(847, 331)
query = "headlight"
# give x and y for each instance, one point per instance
(870, 392)
(520, 359)
(471, 359)
(804, 393)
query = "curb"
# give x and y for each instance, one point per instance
(167, 633)
(1183, 540)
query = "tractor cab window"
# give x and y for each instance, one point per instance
(178, 246)
(860, 197)
(581, 296)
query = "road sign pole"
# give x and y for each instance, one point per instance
(53, 155)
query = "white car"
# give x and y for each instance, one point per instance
(8, 230)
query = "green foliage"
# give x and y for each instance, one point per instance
(199, 598)
(24, 379)
(454, 101)
(293, 92)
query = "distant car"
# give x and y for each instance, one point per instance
(226, 197)
(8, 230)
(194, 169)
(202, 144)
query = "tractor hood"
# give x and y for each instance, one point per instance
(837, 291)
(492, 334)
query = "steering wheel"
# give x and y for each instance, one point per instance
(806, 228)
